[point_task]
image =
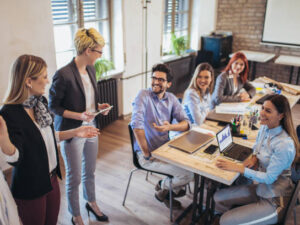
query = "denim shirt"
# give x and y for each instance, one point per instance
(275, 151)
(149, 109)
(196, 108)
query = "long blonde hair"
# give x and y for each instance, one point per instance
(193, 84)
(282, 106)
(25, 66)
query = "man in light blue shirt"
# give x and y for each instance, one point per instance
(153, 111)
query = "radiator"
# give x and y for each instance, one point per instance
(108, 94)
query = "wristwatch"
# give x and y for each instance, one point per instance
(147, 157)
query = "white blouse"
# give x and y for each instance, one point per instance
(89, 92)
(47, 135)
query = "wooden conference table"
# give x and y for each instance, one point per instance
(204, 168)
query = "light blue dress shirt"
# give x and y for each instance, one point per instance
(196, 108)
(275, 151)
(149, 109)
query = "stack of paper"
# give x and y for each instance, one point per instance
(232, 108)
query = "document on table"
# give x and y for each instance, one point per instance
(232, 107)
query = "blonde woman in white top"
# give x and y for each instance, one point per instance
(197, 96)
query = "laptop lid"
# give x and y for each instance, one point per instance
(191, 141)
(224, 138)
(220, 117)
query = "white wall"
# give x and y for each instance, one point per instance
(26, 28)
(204, 20)
(134, 45)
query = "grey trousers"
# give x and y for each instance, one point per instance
(251, 209)
(181, 177)
(80, 156)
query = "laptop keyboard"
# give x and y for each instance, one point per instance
(236, 153)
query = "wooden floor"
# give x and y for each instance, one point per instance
(114, 163)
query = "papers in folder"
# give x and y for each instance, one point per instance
(191, 141)
(232, 107)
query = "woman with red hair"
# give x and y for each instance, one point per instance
(232, 84)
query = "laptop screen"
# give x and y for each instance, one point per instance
(224, 138)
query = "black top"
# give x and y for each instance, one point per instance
(31, 178)
(67, 93)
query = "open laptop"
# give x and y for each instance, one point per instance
(220, 117)
(230, 149)
(262, 99)
(191, 141)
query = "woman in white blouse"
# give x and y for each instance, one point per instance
(196, 100)
(29, 142)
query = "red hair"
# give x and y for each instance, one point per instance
(244, 73)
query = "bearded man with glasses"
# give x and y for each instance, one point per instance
(152, 115)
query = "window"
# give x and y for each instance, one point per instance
(176, 20)
(65, 14)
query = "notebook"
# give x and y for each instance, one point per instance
(191, 141)
(230, 149)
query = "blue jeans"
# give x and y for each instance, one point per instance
(80, 156)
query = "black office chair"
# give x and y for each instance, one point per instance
(204, 56)
(294, 198)
(139, 167)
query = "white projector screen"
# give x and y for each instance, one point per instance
(282, 23)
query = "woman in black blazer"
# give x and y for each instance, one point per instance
(31, 147)
(74, 98)
(232, 84)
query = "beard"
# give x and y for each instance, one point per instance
(155, 91)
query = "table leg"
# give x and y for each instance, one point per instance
(291, 74)
(195, 199)
(193, 205)
(253, 65)
(200, 205)
(298, 75)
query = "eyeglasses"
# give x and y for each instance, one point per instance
(100, 52)
(160, 80)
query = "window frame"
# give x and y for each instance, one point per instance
(188, 12)
(75, 10)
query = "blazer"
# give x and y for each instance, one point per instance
(224, 90)
(31, 178)
(67, 93)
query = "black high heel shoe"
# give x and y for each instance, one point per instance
(102, 218)
(72, 221)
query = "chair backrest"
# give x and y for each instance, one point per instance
(292, 203)
(134, 156)
(204, 56)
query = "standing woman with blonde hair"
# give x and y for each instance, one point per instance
(29, 142)
(73, 97)
(197, 96)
